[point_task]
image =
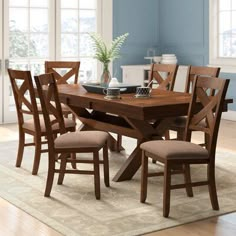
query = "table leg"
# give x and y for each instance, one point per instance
(130, 167)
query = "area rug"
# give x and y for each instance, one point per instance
(73, 211)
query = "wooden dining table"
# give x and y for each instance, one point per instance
(140, 118)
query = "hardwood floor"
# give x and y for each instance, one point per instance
(14, 221)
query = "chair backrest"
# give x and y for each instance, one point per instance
(211, 107)
(24, 95)
(202, 71)
(164, 74)
(63, 70)
(52, 113)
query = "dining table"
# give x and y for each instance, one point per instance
(144, 119)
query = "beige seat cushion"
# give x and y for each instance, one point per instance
(81, 139)
(29, 124)
(174, 150)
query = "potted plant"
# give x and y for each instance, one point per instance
(105, 54)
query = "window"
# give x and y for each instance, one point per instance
(223, 34)
(32, 31)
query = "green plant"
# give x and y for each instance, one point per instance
(106, 54)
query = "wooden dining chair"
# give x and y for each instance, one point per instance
(29, 120)
(163, 75)
(180, 122)
(67, 143)
(184, 153)
(64, 72)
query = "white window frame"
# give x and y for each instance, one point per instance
(227, 64)
(104, 27)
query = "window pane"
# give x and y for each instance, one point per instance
(87, 4)
(233, 49)
(225, 22)
(39, 3)
(69, 21)
(70, 3)
(18, 45)
(225, 4)
(38, 45)
(87, 21)
(38, 20)
(69, 45)
(18, 20)
(234, 20)
(17, 3)
(37, 68)
(88, 70)
(85, 45)
(233, 5)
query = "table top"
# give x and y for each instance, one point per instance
(161, 103)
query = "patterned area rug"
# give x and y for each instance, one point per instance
(73, 210)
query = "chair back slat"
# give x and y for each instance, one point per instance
(164, 75)
(211, 106)
(24, 95)
(202, 71)
(48, 92)
(67, 69)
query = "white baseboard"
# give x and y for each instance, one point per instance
(229, 115)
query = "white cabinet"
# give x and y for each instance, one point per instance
(134, 74)
(138, 74)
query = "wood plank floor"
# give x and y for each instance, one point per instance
(15, 222)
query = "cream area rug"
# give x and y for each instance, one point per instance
(72, 209)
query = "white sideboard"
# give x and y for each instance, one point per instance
(134, 74)
(138, 74)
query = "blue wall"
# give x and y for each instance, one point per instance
(140, 19)
(171, 26)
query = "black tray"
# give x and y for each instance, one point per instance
(97, 88)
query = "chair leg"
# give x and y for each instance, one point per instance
(212, 186)
(119, 142)
(187, 179)
(167, 135)
(62, 169)
(37, 155)
(166, 192)
(144, 177)
(180, 134)
(73, 157)
(96, 175)
(20, 148)
(50, 177)
(106, 166)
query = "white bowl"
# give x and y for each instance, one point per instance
(168, 55)
(157, 59)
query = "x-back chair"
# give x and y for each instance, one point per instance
(67, 143)
(29, 120)
(184, 153)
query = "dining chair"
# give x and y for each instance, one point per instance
(29, 120)
(173, 153)
(163, 75)
(67, 143)
(64, 72)
(180, 122)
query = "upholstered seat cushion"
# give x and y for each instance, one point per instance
(29, 124)
(81, 139)
(170, 149)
